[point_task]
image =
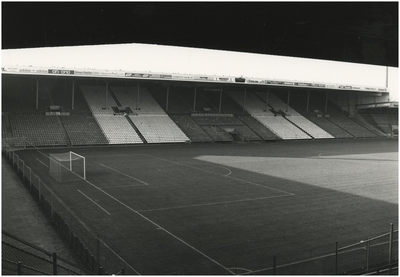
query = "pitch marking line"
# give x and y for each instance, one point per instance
(214, 203)
(161, 228)
(127, 186)
(94, 202)
(241, 268)
(144, 183)
(227, 176)
(42, 162)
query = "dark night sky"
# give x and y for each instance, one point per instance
(361, 32)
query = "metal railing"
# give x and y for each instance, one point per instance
(88, 245)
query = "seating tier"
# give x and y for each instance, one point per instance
(313, 130)
(227, 122)
(158, 129)
(351, 127)
(192, 130)
(38, 130)
(83, 130)
(258, 127)
(330, 127)
(277, 124)
(117, 129)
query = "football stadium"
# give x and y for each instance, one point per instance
(160, 163)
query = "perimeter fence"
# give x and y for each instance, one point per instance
(351, 257)
(88, 245)
(23, 258)
(348, 257)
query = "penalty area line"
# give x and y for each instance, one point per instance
(42, 162)
(129, 176)
(94, 202)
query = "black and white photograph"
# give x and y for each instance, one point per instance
(199, 138)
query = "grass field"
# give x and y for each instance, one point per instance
(228, 208)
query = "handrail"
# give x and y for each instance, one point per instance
(368, 240)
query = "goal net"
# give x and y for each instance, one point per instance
(67, 166)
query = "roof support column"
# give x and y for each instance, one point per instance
(308, 101)
(266, 102)
(244, 99)
(37, 93)
(194, 101)
(138, 97)
(106, 98)
(288, 100)
(326, 102)
(166, 104)
(73, 93)
(220, 100)
(348, 102)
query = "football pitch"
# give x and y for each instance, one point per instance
(229, 208)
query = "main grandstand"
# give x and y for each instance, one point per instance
(172, 98)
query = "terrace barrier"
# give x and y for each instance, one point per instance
(350, 257)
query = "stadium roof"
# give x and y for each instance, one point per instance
(126, 60)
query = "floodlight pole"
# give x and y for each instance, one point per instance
(308, 101)
(288, 100)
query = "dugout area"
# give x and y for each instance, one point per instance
(229, 208)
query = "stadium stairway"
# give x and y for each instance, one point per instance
(136, 129)
(114, 97)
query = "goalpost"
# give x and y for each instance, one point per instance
(68, 166)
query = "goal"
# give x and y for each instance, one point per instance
(68, 166)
